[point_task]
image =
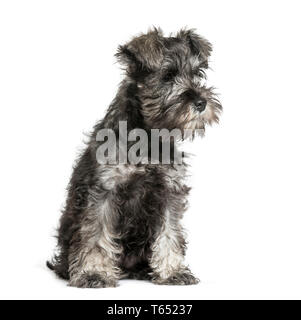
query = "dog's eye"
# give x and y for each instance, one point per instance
(200, 72)
(169, 75)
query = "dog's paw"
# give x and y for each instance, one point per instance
(179, 278)
(92, 280)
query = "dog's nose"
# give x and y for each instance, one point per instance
(201, 104)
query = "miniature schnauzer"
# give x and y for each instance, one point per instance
(123, 220)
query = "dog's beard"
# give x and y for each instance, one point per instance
(174, 113)
(194, 120)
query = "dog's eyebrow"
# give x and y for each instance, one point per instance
(204, 64)
(200, 67)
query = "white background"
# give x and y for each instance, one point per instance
(58, 76)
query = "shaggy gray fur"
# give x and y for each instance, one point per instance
(124, 220)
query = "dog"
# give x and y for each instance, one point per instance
(124, 220)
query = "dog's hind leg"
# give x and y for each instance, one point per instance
(93, 259)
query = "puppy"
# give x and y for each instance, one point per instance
(122, 219)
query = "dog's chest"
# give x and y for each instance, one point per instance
(113, 176)
(110, 176)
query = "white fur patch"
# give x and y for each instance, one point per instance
(167, 256)
(112, 175)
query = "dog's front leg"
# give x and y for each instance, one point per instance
(168, 251)
(93, 258)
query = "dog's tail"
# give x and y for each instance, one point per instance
(59, 266)
(50, 265)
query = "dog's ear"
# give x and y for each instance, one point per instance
(143, 53)
(199, 46)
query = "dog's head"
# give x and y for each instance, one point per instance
(170, 73)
